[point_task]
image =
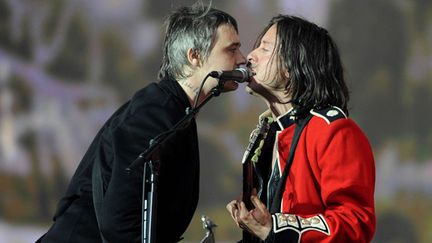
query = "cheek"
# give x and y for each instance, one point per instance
(268, 73)
(230, 58)
(224, 61)
(265, 74)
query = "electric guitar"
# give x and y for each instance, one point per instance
(250, 157)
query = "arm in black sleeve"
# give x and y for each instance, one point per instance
(129, 136)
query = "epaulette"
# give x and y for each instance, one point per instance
(329, 114)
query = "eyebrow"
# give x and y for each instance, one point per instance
(234, 44)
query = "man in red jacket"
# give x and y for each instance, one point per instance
(327, 194)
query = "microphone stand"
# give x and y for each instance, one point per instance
(150, 158)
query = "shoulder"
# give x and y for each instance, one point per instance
(147, 103)
(149, 93)
(329, 120)
(332, 122)
(329, 114)
(152, 95)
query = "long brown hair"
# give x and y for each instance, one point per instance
(312, 60)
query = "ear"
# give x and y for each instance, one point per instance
(193, 57)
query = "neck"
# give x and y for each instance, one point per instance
(278, 102)
(278, 108)
(191, 89)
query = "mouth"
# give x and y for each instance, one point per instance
(250, 69)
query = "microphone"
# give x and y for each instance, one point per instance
(239, 75)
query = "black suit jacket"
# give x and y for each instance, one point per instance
(126, 134)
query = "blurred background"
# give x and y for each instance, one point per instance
(66, 65)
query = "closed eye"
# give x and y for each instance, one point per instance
(234, 47)
(233, 50)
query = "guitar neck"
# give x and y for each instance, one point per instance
(257, 137)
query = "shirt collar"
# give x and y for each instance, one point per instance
(285, 120)
(174, 88)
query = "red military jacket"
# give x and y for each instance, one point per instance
(329, 192)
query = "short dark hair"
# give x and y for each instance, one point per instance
(312, 60)
(190, 27)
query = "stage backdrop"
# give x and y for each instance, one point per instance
(66, 65)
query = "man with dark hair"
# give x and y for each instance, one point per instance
(315, 172)
(198, 40)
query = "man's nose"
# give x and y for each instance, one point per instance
(241, 59)
(250, 57)
(249, 63)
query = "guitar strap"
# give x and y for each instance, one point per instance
(276, 202)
